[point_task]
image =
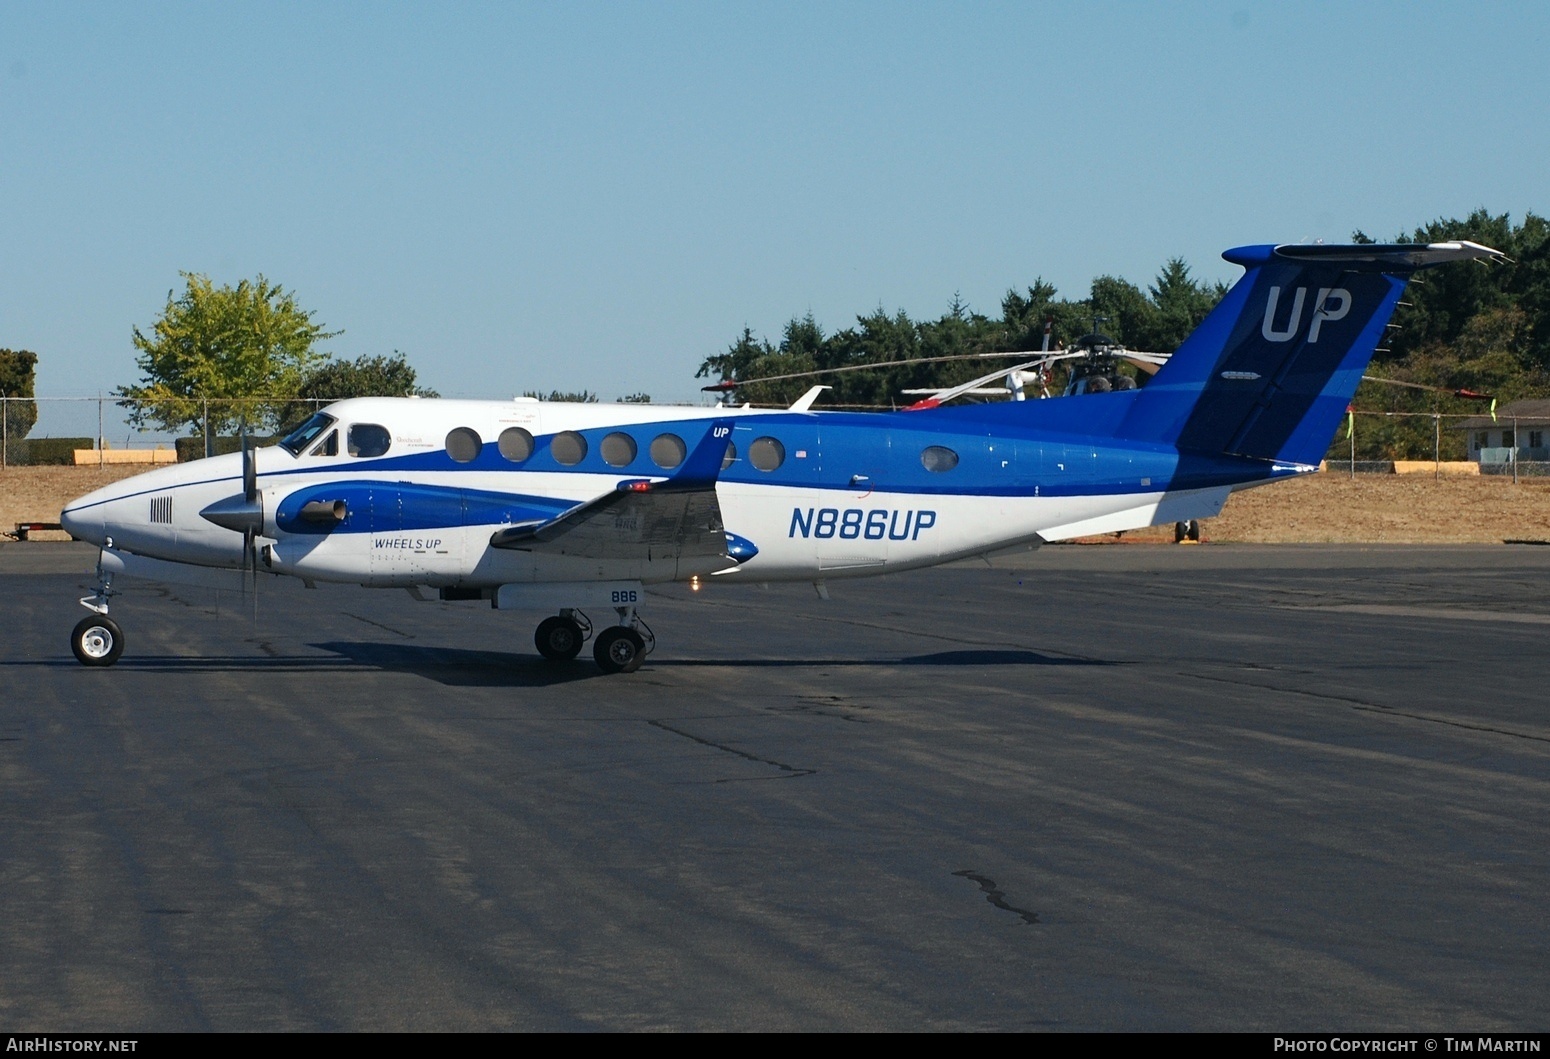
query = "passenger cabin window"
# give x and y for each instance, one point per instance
(516, 444)
(668, 451)
(369, 439)
(938, 458)
(306, 434)
(766, 454)
(568, 448)
(329, 446)
(464, 444)
(618, 450)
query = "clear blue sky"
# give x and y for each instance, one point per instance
(598, 196)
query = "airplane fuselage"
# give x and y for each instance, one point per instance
(817, 495)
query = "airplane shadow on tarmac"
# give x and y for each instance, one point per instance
(467, 668)
(461, 667)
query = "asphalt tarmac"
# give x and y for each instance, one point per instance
(1126, 787)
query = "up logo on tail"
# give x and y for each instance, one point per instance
(1332, 303)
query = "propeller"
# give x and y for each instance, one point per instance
(250, 529)
(243, 514)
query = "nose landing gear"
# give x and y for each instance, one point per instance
(97, 640)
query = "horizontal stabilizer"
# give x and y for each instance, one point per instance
(1376, 257)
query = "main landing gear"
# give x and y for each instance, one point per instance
(618, 649)
(97, 640)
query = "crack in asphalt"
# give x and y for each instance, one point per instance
(378, 624)
(1371, 707)
(792, 771)
(996, 897)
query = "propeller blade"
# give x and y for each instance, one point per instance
(249, 469)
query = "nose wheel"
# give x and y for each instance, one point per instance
(97, 641)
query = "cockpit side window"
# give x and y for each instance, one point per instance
(329, 446)
(368, 439)
(306, 434)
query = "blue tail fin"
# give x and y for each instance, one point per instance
(1270, 372)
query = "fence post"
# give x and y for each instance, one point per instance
(1514, 450)
(101, 458)
(1436, 445)
(5, 430)
(205, 419)
(1353, 446)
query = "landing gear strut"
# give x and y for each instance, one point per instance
(97, 640)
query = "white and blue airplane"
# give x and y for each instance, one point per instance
(557, 508)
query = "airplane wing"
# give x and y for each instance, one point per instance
(640, 519)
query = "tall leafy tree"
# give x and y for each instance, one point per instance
(365, 376)
(1179, 304)
(244, 350)
(17, 368)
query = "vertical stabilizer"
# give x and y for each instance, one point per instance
(1270, 372)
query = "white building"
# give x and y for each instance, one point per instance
(1519, 432)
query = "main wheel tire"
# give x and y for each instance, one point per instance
(1194, 529)
(619, 650)
(97, 641)
(558, 639)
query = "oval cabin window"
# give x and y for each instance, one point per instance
(618, 450)
(464, 444)
(937, 458)
(568, 448)
(516, 444)
(668, 451)
(766, 454)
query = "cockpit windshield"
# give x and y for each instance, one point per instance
(304, 435)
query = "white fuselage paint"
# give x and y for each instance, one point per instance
(801, 533)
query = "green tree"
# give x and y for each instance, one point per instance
(16, 380)
(1179, 304)
(336, 380)
(634, 398)
(245, 350)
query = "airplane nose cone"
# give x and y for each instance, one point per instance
(80, 524)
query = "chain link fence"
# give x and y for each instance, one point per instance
(96, 431)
